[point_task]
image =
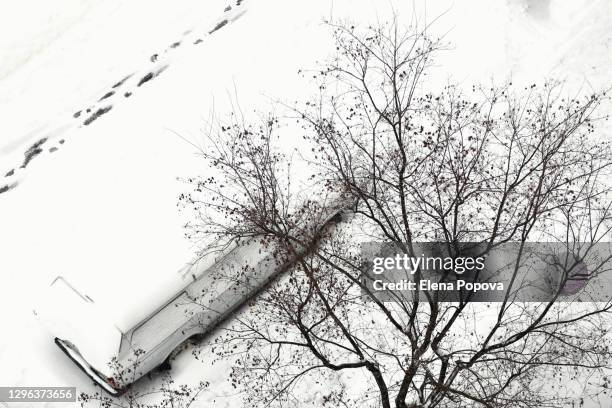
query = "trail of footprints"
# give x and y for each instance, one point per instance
(122, 89)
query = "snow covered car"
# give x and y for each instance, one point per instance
(117, 336)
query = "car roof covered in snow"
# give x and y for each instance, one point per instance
(129, 293)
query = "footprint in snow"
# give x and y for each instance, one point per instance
(89, 115)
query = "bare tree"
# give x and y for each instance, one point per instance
(165, 394)
(168, 395)
(492, 165)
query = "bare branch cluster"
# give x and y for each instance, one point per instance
(490, 165)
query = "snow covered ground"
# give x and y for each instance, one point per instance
(101, 195)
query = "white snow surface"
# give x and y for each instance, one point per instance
(104, 204)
